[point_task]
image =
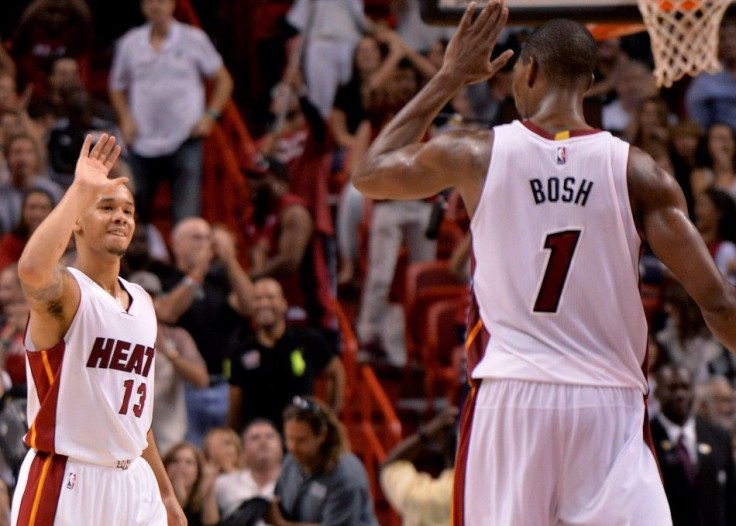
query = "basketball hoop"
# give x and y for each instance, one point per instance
(684, 36)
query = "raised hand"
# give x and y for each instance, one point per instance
(468, 55)
(93, 166)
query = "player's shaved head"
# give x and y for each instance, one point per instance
(564, 51)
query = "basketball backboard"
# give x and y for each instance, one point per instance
(448, 12)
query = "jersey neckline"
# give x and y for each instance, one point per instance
(559, 136)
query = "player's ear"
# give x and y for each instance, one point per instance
(531, 72)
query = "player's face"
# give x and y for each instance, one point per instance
(261, 445)
(109, 223)
(302, 442)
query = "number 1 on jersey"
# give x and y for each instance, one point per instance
(562, 248)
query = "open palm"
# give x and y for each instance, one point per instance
(94, 164)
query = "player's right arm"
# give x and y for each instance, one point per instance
(52, 292)
(659, 208)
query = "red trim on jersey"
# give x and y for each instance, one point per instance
(461, 460)
(43, 487)
(551, 136)
(45, 372)
(477, 336)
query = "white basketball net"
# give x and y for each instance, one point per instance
(684, 36)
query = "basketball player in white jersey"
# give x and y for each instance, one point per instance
(555, 428)
(90, 348)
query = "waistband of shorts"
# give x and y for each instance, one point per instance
(115, 464)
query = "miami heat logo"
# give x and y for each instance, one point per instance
(561, 155)
(72, 481)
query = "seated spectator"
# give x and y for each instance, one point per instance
(37, 203)
(420, 498)
(718, 166)
(684, 140)
(650, 129)
(14, 311)
(222, 450)
(279, 361)
(261, 466)
(695, 457)
(321, 482)
(633, 84)
(715, 213)
(685, 338)
(147, 251)
(207, 292)
(178, 362)
(26, 171)
(715, 401)
(185, 468)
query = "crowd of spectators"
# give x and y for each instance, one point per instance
(246, 332)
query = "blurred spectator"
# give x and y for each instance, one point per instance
(633, 84)
(206, 292)
(685, 337)
(650, 130)
(711, 97)
(15, 310)
(420, 498)
(147, 251)
(684, 139)
(178, 362)
(185, 468)
(694, 455)
(37, 203)
(222, 450)
(718, 166)
(286, 246)
(611, 58)
(393, 223)
(68, 133)
(26, 171)
(157, 89)
(279, 362)
(321, 481)
(49, 29)
(715, 401)
(419, 35)
(262, 454)
(715, 218)
(330, 30)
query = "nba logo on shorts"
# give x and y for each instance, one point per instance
(72, 481)
(561, 155)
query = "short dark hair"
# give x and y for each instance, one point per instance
(564, 50)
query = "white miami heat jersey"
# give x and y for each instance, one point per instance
(557, 254)
(91, 396)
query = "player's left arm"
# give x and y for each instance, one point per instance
(174, 512)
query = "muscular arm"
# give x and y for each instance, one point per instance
(396, 165)
(659, 207)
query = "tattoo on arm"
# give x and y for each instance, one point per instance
(49, 296)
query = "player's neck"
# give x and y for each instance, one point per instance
(559, 112)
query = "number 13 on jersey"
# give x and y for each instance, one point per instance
(561, 246)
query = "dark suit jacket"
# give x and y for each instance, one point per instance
(711, 500)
